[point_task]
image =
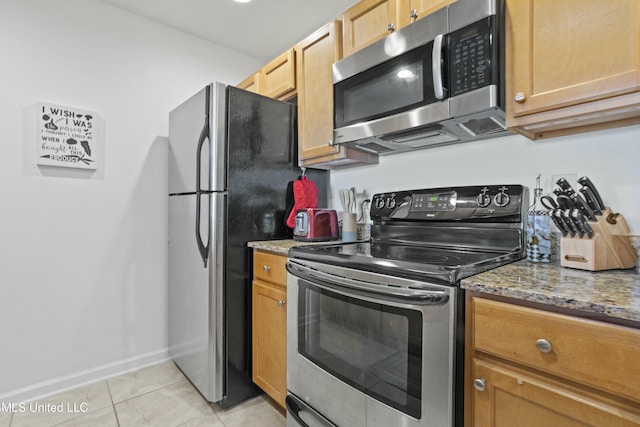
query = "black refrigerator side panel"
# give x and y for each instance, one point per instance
(260, 163)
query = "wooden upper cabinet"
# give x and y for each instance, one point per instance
(315, 57)
(421, 8)
(564, 58)
(278, 77)
(371, 20)
(250, 83)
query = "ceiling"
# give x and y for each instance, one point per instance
(262, 29)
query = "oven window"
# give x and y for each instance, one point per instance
(373, 347)
(397, 85)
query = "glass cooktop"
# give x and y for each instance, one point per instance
(424, 262)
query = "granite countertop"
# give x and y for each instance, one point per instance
(614, 293)
(282, 246)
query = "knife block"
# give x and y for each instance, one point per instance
(609, 248)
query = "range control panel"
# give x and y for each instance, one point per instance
(487, 202)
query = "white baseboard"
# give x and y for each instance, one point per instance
(100, 373)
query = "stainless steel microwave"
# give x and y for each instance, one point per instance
(437, 81)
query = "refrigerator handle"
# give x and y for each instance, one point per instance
(204, 249)
(204, 136)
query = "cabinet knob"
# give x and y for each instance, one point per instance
(544, 345)
(266, 268)
(519, 97)
(413, 14)
(390, 27)
(281, 303)
(480, 384)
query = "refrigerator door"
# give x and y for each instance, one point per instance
(197, 142)
(196, 309)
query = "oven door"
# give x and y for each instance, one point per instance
(365, 349)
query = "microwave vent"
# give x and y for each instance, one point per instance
(374, 148)
(482, 126)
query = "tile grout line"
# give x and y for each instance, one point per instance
(113, 405)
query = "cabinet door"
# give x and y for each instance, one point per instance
(250, 83)
(278, 77)
(422, 8)
(510, 398)
(270, 340)
(316, 54)
(565, 53)
(315, 57)
(371, 20)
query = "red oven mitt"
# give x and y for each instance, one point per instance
(305, 195)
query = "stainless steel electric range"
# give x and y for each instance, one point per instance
(375, 330)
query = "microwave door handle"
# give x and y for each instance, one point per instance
(436, 67)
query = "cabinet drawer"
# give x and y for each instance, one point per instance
(598, 354)
(270, 267)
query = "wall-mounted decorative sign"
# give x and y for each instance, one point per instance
(66, 137)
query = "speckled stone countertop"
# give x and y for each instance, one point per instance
(614, 293)
(282, 246)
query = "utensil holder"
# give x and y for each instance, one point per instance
(610, 247)
(349, 228)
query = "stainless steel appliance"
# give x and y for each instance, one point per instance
(375, 330)
(231, 154)
(437, 81)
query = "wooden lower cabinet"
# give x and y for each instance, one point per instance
(269, 323)
(526, 366)
(506, 397)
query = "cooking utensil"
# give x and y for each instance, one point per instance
(590, 198)
(582, 224)
(558, 220)
(344, 199)
(582, 205)
(585, 181)
(568, 228)
(573, 223)
(352, 199)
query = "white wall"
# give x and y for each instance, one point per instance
(610, 158)
(83, 290)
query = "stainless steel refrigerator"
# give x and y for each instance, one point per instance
(231, 155)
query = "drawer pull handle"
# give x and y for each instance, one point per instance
(544, 345)
(266, 268)
(281, 303)
(480, 384)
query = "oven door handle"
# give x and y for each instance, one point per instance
(421, 296)
(295, 406)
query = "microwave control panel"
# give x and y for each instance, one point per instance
(471, 51)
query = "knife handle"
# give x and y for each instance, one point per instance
(589, 197)
(559, 223)
(585, 181)
(563, 183)
(584, 208)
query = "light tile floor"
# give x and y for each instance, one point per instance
(156, 396)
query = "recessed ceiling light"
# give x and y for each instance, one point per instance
(242, 1)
